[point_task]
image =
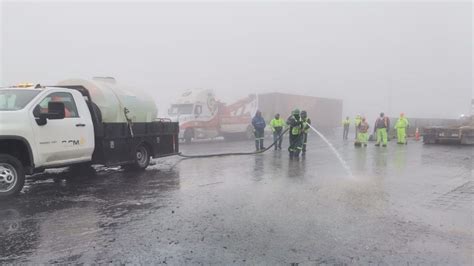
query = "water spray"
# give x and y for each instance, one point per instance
(344, 164)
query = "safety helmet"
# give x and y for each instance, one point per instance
(296, 112)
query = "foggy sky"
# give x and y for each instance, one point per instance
(376, 56)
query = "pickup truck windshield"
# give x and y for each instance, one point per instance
(11, 100)
(181, 109)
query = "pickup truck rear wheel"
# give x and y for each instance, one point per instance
(142, 158)
(12, 175)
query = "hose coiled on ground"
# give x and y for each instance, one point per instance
(234, 153)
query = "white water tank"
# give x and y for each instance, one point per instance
(112, 99)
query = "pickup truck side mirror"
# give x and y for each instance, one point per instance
(55, 111)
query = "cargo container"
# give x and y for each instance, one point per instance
(324, 112)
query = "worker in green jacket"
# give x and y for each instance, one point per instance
(296, 129)
(306, 122)
(357, 121)
(277, 125)
(402, 126)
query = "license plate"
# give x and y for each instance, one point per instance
(455, 135)
(441, 134)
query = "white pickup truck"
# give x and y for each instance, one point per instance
(48, 127)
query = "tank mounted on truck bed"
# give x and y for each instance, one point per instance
(58, 126)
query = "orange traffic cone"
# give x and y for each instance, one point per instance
(417, 135)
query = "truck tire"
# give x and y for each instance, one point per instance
(142, 158)
(429, 140)
(467, 140)
(12, 175)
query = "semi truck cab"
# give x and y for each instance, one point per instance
(197, 113)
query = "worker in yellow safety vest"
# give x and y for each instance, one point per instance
(346, 123)
(402, 126)
(277, 125)
(357, 121)
(363, 135)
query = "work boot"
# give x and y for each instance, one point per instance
(377, 145)
(385, 145)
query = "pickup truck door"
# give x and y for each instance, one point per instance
(68, 140)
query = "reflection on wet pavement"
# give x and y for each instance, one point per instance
(404, 204)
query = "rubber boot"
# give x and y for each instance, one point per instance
(257, 147)
(261, 145)
(296, 154)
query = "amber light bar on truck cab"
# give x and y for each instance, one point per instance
(28, 85)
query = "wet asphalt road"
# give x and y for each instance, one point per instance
(401, 205)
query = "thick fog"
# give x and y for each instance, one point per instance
(376, 56)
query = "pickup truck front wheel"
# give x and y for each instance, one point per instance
(12, 175)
